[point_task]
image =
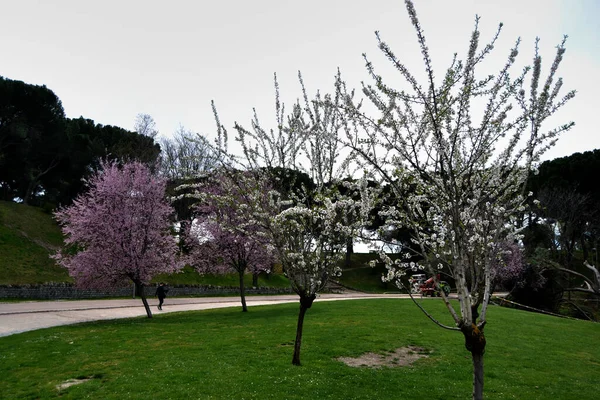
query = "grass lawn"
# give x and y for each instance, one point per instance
(227, 354)
(367, 279)
(27, 237)
(188, 276)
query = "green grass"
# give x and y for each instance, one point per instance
(27, 237)
(226, 354)
(189, 276)
(367, 279)
(360, 276)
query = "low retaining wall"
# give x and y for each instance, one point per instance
(55, 291)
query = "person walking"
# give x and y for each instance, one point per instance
(161, 293)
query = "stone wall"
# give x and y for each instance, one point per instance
(55, 291)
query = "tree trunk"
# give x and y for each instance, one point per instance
(255, 279)
(139, 287)
(305, 304)
(35, 179)
(477, 375)
(475, 343)
(243, 292)
(584, 248)
(349, 251)
(29, 191)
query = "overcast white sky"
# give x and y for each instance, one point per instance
(110, 60)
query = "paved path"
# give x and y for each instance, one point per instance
(30, 315)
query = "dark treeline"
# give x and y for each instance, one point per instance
(563, 232)
(44, 155)
(568, 218)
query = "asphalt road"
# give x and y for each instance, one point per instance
(17, 317)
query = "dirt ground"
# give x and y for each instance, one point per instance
(401, 357)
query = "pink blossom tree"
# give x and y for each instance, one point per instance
(509, 264)
(225, 236)
(119, 230)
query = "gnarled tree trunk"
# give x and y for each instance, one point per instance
(305, 304)
(475, 343)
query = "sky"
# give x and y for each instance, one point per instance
(110, 60)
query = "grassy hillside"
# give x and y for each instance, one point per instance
(27, 237)
(360, 276)
(189, 276)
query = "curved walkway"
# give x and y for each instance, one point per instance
(25, 316)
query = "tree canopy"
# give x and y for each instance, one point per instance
(44, 155)
(119, 230)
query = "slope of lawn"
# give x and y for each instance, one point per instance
(226, 354)
(366, 279)
(27, 237)
(189, 276)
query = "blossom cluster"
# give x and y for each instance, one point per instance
(456, 154)
(119, 228)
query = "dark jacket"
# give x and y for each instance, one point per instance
(161, 291)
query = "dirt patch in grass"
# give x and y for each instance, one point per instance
(401, 357)
(71, 382)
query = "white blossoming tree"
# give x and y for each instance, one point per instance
(456, 152)
(307, 224)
